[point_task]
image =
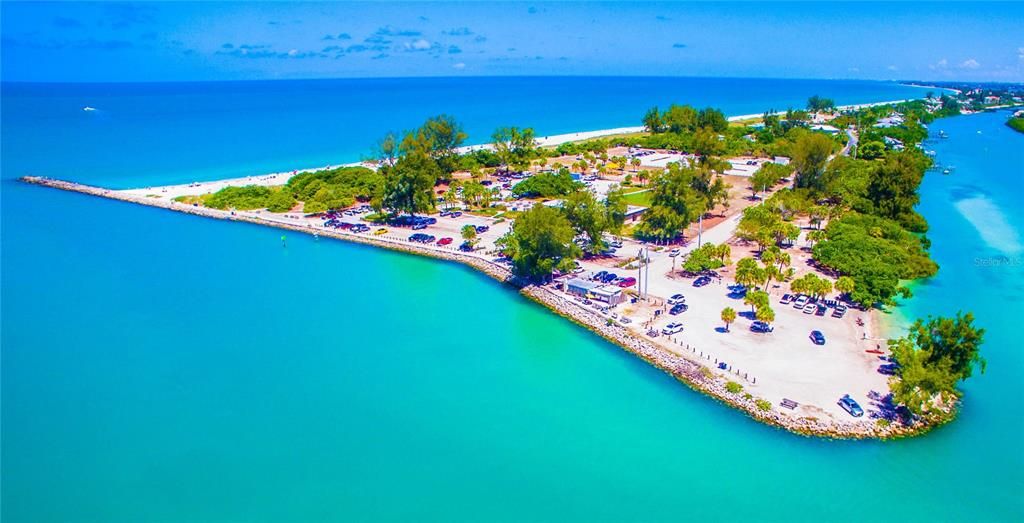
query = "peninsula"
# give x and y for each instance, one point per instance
(750, 257)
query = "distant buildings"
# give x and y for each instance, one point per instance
(893, 120)
(893, 143)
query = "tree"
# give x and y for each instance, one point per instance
(674, 205)
(871, 150)
(728, 316)
(387, 150)
(515, 147)
(444, 136)
(953, 340)
(932, 358)
(652, 120)
(680, 118)
(409, 184)
(817, 103)
(468, 233)
(810, 155)
(540, 241)
(635, 162)
(767, 176)
(765, 313)
(845, 284)
(615, 209)
(749, 273)
(588, 218)
(706, 257)
(756, 300)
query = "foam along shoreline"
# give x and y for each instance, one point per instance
(695, 371)
(280, 178)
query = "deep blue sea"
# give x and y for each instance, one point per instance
(158, 366)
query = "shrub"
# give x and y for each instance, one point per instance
(763, 404)
(733, 387)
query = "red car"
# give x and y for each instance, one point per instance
(444, 241)
(627, 282)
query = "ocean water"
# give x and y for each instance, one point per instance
(158, 366)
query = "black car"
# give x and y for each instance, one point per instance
(610, 277)
(679, 308)
(760, 326)
(482, 228)
(702, 281)
(600, 275)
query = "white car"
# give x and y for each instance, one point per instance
(676, 298)
(673, 253)
(672, 328)
(800, 302)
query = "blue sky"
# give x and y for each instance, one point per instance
(76, 41)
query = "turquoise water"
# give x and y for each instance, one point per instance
(159, 366)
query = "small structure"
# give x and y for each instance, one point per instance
(633, 212)
(597, 291)
(893, 143)
(827, 129)
(781, 160)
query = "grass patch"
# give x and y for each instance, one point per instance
(733, 387)
(641, 198)
(190, 199)
(763, 404)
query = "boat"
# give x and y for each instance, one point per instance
(946, 171)
(943, 135)
(88, 108)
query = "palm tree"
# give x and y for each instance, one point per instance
(636, 164)
(728, 316)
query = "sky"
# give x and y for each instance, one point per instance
(189, 41)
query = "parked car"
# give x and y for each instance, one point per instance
(455, 214)
(445, 241)
(679, 308)
(673, 253)
(466, 247)
(817, 338)
(850, 405)
(380, 231)
(676, 298)
(702, 281)
(600, 275)
(810, 308)
(482, 229)
(627, 282)
(800, 301)
(821, 310)
(786, 299)
(672, 328)
(760, 326)
(610, 277)
(419, 226)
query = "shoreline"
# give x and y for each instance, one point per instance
(697, 376)
(554, 140)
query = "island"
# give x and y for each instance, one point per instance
(752, 257)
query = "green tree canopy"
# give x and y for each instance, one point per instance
(540, 241)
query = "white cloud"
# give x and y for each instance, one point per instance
(970, 63)
(941, 64)
(459, 65)
(420, 45)
(1020, 54)
(293, 52)
(892, 68)
(853, 69)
